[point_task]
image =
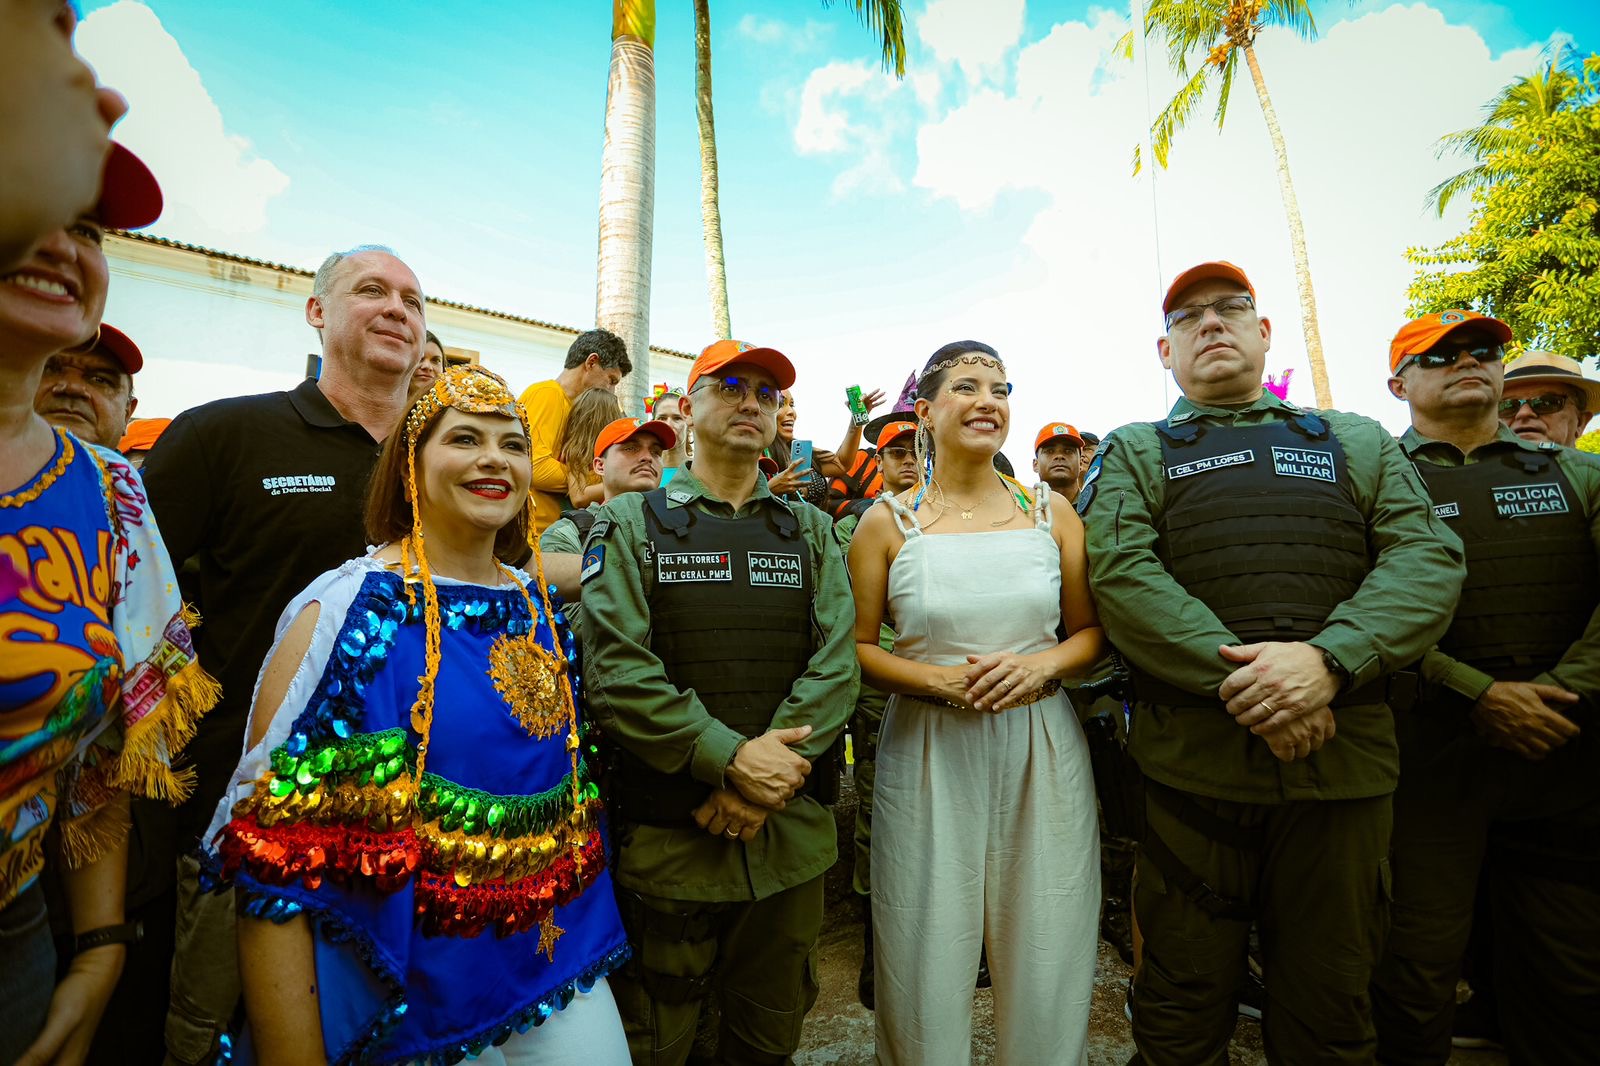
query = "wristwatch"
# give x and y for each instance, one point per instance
(126, 933)
(1339, 673)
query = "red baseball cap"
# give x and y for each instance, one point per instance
(142, 434)
(1420, 334)
(894, 431)
(120, 347)
(1057, 429)
(130, 196)
(725, 353)
(627, 428)
(1217, 268)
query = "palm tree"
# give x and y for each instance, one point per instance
(1221, 31)
(883, 17)
(627, 189)
(1511, 122)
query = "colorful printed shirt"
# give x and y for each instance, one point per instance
(99, 686)
(450, 910)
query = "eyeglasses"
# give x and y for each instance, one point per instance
(733, 391)
(895, 454)
(1548, 404)
(1435, 359)
(1229, 309)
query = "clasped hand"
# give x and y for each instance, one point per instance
(1281, 692)
(1523, 717)
(766, 772)
(999, 681)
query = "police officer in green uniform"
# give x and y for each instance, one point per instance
(1500, 762)
(892, 435)
(720, 661)
(1264, 570)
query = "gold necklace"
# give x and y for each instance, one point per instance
(967, 512)
(48, 478)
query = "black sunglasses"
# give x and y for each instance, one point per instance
(1548, 404)
(1434, 358)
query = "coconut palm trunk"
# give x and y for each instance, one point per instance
(627, 191)
(710, 210)
(1297, 239)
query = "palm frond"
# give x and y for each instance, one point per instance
(1440, 195)
(1177, 113)
(1138, 159)
(1229, 67)
(1293, 14)
(1124, 47)
(886, 20)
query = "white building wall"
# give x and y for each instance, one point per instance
(210, 327)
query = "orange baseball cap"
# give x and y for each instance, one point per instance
(725, 353)
(1420, 334)
(1217, 268)
(130, 196)
(142, 434)
(1057, 429)
(626, 428)
(894, 431)
(120, 347)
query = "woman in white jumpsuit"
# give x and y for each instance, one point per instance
(984, 823)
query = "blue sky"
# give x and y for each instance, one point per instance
(865, 222)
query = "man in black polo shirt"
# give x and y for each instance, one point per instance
(263, 493)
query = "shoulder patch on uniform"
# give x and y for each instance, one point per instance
(594, 561)
(1086, 494)
(601, 527)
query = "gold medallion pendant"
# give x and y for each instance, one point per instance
(528, 678)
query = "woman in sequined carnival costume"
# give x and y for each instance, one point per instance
(414, 832)
(99, 685)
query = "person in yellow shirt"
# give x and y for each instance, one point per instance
(597, 359)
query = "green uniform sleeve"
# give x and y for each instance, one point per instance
(561, 537)
(1407, 600)
(627, 687)
(1149, 616)
(1441, 671)
(825, 695)
(1579, 669)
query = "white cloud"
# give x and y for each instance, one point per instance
(768, 31)
(975, 34)
(1361, 110)
(216, 187)
(842, 111)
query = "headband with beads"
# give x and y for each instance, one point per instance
(959, 358)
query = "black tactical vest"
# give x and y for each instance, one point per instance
(1533, 578)
(1260, 524)
(730, 618)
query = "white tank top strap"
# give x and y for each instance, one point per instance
(1041, 506)
(904, 517)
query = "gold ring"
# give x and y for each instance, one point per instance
(1268, 706)
(731, 834)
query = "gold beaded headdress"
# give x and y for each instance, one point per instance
(474, 390)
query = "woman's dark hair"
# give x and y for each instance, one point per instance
(432, 338)
(388, 513)
(928, 384)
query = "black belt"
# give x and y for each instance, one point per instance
(1398, 690)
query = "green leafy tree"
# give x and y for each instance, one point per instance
(882, 17)
(1205, 39)
(1531, 252)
